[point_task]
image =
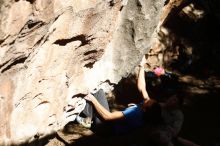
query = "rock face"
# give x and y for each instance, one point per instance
(53, 50)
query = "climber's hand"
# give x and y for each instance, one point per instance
(143, 61)
(90, 97)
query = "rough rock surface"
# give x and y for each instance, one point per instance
(52, 50)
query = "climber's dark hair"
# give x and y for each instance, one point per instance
(165, 85)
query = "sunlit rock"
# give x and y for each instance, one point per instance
(53, 50)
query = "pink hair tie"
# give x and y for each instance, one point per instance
(158, 71)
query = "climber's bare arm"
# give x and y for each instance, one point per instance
(141, 80)
(105, 114)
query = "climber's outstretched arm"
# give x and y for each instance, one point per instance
(105, 114)
(141, 80)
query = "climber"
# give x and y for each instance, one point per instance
(119, 122)
(165, 118)
(97, 110)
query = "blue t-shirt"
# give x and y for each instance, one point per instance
(134, 118)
